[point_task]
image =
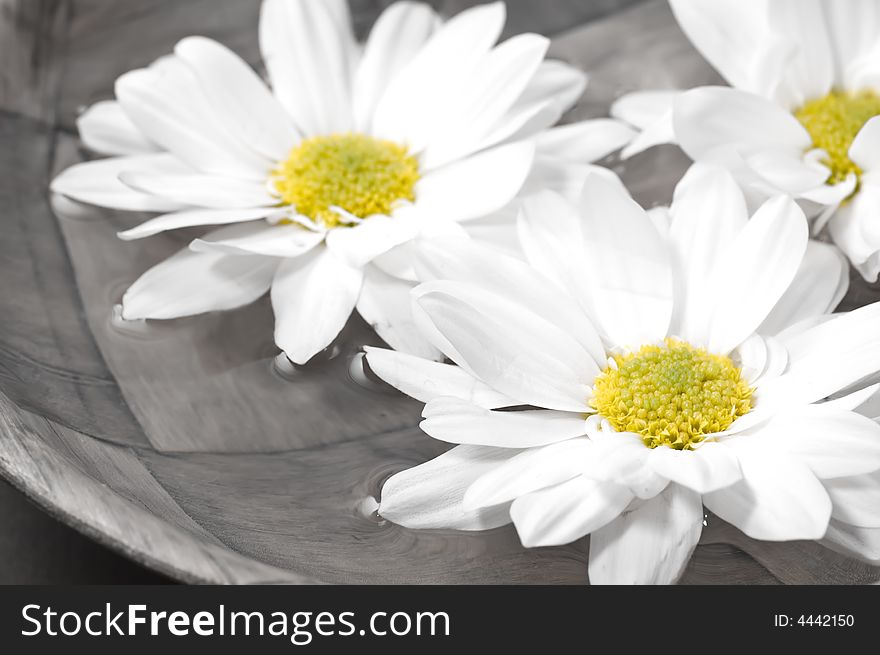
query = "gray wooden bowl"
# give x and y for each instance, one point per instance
(186, 445)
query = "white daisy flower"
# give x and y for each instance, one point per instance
(641, 369)
(323, 180)
(801, 116)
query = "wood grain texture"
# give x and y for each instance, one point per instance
(183, 444)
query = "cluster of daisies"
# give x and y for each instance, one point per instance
(600, 369)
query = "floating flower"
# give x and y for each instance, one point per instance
(637, 369)
(322, 181)
(800, 117)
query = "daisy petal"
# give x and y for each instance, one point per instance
(827, 358)
(307, 48)
(385, 304)
(417, 98)
(461, 260)
(710, 467)
(427, 380)
(190, 283)
(752, 275)
(507, 346)
(709, 117)
(244, 104)
(258, 238)
(863, 543)
(864, 148)
(478, 185)
(360, 244)
(833, 443)
(489, 92)
(728, 34)
(566, 512)
(530, 470)
(649, 544)
(429, 496)
(456, 421)
(191, 218)
(97, 182)
(651, 112)
(856, 500)
(397, 36)
(209, 191)
(631, 282)
(853, 231)
(105, 128)
(584, 142)
(697, 243)
(167, 105)
(312, 296)
(556, 83)
(778, 499)
(818, 287)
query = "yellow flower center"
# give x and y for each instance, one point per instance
(833, 122)
(672, 394)
(359, 174)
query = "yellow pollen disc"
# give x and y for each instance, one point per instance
(833, 122)
(672, 394)
(357, 173)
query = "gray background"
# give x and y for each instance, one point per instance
(34, 547)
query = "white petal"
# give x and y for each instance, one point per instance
(378, 234)
(864, 148)
(712, 466)
(462, 260)
(497, 231)
(856, 500)
(489, 92)
(832, 442)
(651, 112)
(697, 243)
(478, 185)
(707, 118)
(827, 358)
(556, 83)
(778, 499)
(167, 105)
(307, 49)
(416, 98)
(564, 513)
(623, 458)
(853, 229)
(854, 541)
(97, 182)
(818, 287)
(312, 296)
(426, 380)
(259, 238)
(809, 72)
(105, 128)
(429, 496)
(530, 470)
(385, 304)
(729, 34)
(631, 281)
(752, 275)
(586, 141)
(457, 421)
(650, 544)
(193, 217)
(507, 346)
(243, 103)
(397, 36)
(210, 191)
(189, 283)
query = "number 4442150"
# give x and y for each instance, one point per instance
(814, 620)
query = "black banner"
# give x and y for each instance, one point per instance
(400, 619)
